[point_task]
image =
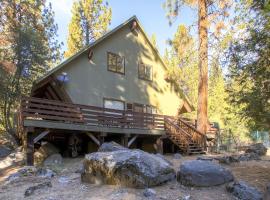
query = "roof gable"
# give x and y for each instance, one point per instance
(99, 40)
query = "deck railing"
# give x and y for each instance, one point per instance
(44, 109)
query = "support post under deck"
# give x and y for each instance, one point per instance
(159, 145)
(30, 148)
(124, 140)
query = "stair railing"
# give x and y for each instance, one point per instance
(173, 130)
(195, 134)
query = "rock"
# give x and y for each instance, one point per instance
(148, 192)
(257, 148)
(131, 168)
(54, 159)
(228, 159)
(177, 156)
(45, 173)
(25, 171)
(267, 192)
(237, 158)
(44, 152)
(187, 197)
(203, 174)
(110, 146)
(4, 151)
(248, 157)
(243, 191)
(29, 191)
(63, 180)
(205, 158)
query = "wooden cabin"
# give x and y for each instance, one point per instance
(114, 89)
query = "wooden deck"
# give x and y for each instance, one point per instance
(51, 114)
(39, 117)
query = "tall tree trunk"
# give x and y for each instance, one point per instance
(203, 66)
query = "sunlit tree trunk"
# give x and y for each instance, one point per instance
(202, 119)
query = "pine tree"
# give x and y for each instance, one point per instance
(90, 20)
(182, 62)
(28, 48)
(249, 65)
(218, 9)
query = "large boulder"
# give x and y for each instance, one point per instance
(44, 152)
(203, 174)
(257, 148)
(54, 159)
(110, 146)
(243, 191)
(228, 159)
(131, 168)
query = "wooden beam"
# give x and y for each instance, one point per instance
(52, 93)
(81, 127)
(93, 138)
(159, 145)
(30, 148)
(41, 135)
(132, 140)
(124, 140)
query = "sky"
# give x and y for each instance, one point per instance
(150, 13)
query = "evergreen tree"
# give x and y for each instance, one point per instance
(182, 62)
(28, 48)
(208, 12)
(90, 20)
(249, 66)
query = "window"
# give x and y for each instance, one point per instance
(142, 108)
(115, 63)
(129, 107)
(145, 72)
(138, 108)
(151, 109)
(114, 104)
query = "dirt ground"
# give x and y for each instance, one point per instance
(67, 185)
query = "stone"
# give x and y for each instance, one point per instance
(131, 168)
(148, 192)
(228, 159)
(243, 191)
(29, 191)
(54, 159)
(63, 180)
(23, 172)
(237, 158)
(203, 174)
(44, 152)
(4, 151)
(45, 173)
(248, 157)
(257, 148)
(177, 156)
(205, 158)
(111, 146)
(267, 192)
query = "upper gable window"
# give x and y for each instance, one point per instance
(116, 63)
(145, 72)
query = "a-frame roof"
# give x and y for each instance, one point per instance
(99, 40)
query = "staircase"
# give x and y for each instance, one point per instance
(185, 136)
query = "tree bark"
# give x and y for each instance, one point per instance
(203, 67)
